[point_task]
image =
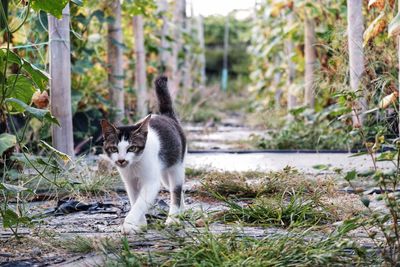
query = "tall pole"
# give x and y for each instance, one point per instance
(398, 55)
(310, 62)
(115, 62)
(202, 55)
(224, 77)
(141, 82)
(175, 73)
(355, 28)
(162, 6)
(60, 82)
(291, 70)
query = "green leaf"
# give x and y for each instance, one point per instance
(41, 114)
(7, 141)
(10, 218)
(12, 57)
(62, 155)
(53, 7)
(19, 87)
(322, 167)
(351, 175)
(39, 77)
(358, 154)
(387, 156)
(13, 188)
(365, 201)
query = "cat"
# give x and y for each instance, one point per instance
(147, 155)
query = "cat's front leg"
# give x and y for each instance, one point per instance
(135, 221)
(133, 224)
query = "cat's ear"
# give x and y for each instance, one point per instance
(107, 128)
(144, 125)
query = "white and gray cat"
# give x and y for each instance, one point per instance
(147, 155)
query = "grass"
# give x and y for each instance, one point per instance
(232, 249)
(253, 184)
(286, 199)
(297, 210)
(80, 244)
(192, 173)
(228, 250)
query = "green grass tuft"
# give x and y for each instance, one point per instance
(296, 210)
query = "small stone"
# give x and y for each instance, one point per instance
(200, 223)
(36, 252)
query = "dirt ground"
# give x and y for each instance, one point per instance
(76, 238)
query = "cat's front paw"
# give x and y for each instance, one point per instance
(132, 228)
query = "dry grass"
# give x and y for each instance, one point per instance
(252, 184)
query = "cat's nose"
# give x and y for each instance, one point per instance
(121, 162)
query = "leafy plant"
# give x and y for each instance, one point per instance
(19, 80)
(313, 130)
(381, 225)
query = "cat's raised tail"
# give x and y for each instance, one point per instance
(164, 97)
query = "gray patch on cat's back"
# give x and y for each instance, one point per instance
(172, 139)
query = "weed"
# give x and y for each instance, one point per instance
(383, 221)
(204, 248)
(252, 184)
(229, 250)
(192, 173)
(79, 244)
(312, 131)
(296, 210)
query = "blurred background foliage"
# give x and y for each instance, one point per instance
(258, 63)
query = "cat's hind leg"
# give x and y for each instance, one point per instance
(176, 177)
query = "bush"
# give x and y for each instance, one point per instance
(312, 130)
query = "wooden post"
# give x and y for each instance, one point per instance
(60, 82)
(310, 61)
(115, 62)
(164, 44)
(140, 82)
(398, 55)
(175, 74)
(224, 75)
(355, 30)
(291, 70)
(202, 56)
(276, 84)
(187, 66)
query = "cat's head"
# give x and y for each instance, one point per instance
(125, 145)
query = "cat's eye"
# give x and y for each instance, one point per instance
(132, 149)
(112, 149)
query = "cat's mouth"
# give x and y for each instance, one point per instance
(121, 163)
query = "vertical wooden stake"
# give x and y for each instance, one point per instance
(310, 61)
(355, 30)
(115, 62)
(141, 81)
(60, 82)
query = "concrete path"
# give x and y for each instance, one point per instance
(231, 135)
(277, 161)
